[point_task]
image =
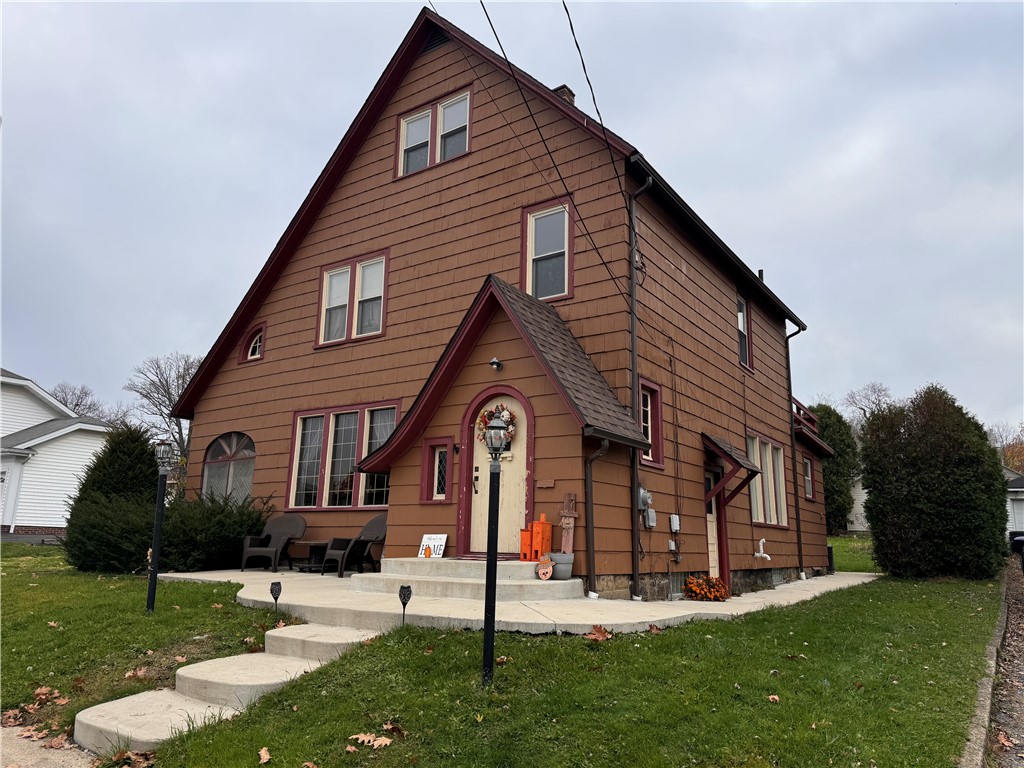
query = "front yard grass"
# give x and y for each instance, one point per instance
(854, 553)
(882, 674)
(87, 635)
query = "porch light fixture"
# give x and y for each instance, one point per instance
(164, 460)
(496, 439)
(496, 364)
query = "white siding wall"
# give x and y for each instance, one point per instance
(51, 477)
(857, 522)
(20, 409)
(1015, 511)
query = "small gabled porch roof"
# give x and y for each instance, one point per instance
(587, 395)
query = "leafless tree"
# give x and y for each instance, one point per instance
(1008, 442)
(863, 401)
(159, 382)
(81, 399)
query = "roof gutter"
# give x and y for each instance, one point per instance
(792, 446)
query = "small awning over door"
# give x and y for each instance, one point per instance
(735, 462)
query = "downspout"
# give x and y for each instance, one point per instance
(588, 485)
(792, 448)
(634, 395)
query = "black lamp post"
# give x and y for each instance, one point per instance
(496, 439)
(163, 460)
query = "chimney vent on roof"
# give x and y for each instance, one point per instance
(760, 275)
(566, 93)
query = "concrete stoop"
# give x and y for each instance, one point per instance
(211, 690)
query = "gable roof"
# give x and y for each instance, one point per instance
(49, 430)
(426, 30)
(586, 393)
(10, 378)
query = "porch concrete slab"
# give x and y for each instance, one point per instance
(333, 601)
(142, 721)
(237, 681)
(469, 588)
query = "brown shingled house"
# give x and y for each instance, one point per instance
(439, 267)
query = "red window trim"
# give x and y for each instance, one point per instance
(432, 107)
(657, 459)
(357, 488)
(247, 339)
(748, 316)
(353, 264)
(570, 251)
(427, 469)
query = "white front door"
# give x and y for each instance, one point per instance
(512, 497)
(711, 510)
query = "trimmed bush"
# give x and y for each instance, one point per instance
(109, 535)
(936, 493)
(206, 534)
(125, 467)
(838, 471)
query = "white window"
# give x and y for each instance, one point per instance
(768, 489)
(371, 297)
(434, 134)
(352, 297)
(440, 473)
(256, 346)
(646, 405)
(808, 478)
(336, 290)
(547, 253)
(228, 467)
(743, 330)
(453, 127)
(328, 446)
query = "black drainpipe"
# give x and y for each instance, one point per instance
(588, 485)
(634, 395)
(792, 446)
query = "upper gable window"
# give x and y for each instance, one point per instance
(352, 300)
(548, 253)
(743, 331)
(253, 344)
(434, 134)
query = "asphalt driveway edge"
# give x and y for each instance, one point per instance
(977, 731)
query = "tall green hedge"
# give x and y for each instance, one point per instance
(936, 494)
(840, 470)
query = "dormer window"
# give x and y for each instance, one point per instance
(433, 134)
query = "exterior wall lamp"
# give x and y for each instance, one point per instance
(164, 460)
(496, 364)
(496, 440)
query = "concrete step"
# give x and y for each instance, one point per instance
(451, 568)
(467, 588)
(314, 641)
(142, 721)
(237, 681)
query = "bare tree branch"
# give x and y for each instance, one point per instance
(79, 398)
(159, 382)
(862, 402)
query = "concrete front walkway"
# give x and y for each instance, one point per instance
(333, 601)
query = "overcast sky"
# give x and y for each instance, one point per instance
(868, 157)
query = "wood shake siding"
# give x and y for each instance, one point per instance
(443, 230)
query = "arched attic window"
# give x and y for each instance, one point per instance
(228, 466)
(253, 344)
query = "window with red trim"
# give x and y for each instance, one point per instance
(228, 466)
(436, 470)
(547, 250)
(328, 445)
(433, 134)
(650, 423)
(352, 299)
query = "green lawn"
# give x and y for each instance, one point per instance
(885, 672)
(853, 553)
(102, 632)
(879, 674)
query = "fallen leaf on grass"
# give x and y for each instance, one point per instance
(11, 717)
(264, 756)
(53, 624)
(350, 748)
(176, 607)
(216, 605)
(308, 764)
(363, 738)
(280, 624)
(380, 741)
(248, 640)
(31, 708)
(61, 701)
(1005, 741)
(60, 742)
(33, 585)
(502, 660)
(654, 629)
(181, 659)
(42, 693)
(137, 672)
(429, 650)
(598, 634)
(30, 732)
(394, 728)
(773, 699)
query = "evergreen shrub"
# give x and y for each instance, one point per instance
(206, 534)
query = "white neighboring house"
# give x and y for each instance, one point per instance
(857, 521)
(44, 450)
(1014, 500)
